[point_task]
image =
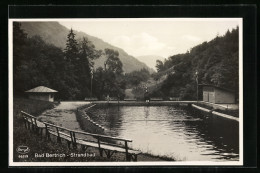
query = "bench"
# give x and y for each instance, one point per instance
(156, 99)
(113, 99)
(174, 98)
(102, 142)
(91, 99)
(130, 99)
(32, 123)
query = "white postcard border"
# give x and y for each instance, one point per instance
(163, 163)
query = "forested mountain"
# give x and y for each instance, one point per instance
(216, 62)
(55, 33)
(47, 53)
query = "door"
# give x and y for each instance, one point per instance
(211, 97)
(205, 96)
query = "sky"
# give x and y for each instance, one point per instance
(161, 37)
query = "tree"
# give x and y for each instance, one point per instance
(98, 82)
(159, 66)
(19, 45)
(39, 63)
(71, 50)
(110, 81)
(88, 51)
(136, 77)
(112, 62)
(73, 71)
(155, 77)
(216, 62)
(87, 54)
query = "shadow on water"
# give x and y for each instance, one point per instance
(220, 133)
(108, 116)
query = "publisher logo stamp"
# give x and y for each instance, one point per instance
(23, 149)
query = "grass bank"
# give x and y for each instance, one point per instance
(23, 137)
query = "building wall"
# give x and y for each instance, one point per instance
(222, 96)
(41, 96)
(212, 97)
(215, 95)
(51, 97)
(205, 96)
(208, 94)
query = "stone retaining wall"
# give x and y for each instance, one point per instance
(86, 123)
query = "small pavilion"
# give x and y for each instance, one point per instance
(41, 93)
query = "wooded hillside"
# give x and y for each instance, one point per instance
(55, 33)
(216, 62)
(69, 71)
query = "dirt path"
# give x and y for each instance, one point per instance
(70, 105)
(63, 115)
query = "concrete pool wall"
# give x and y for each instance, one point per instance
(142, 103)
(167, 103)
(86, 123)
(215, 113)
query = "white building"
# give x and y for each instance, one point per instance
(41, 93)
(218, 95)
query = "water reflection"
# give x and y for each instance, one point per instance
(220, 135)
(172, 131)
(110, 118)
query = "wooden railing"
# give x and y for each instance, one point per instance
(108, 144)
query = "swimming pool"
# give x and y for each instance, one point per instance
(172, 131)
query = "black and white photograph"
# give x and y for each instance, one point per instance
(125, 91)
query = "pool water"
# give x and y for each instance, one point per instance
(176, 132)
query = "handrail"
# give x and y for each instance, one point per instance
(90, 134)
(74, 139)
(80, 132)
(90, 106)
(64, 128)
(103, 136)
(28, 114)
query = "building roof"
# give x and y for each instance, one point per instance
(209, 85)
(41, 89)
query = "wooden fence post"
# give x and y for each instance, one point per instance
(126, 151)
(58, 137)
(32, 124)
(75, 141)
(100, 150)
(46, 132)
